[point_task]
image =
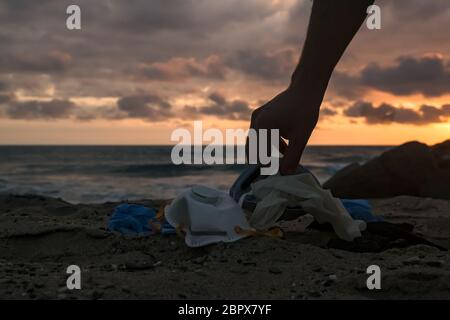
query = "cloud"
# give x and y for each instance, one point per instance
(416, 9)
(3, 86)
(200, 16)
(52, 62)
(269, 66)
(428, 75)
(146, 107)
(277, 65)
(327, 112)
(177, 69)
(5, 97)
(179, 45)
(386, 113)
(38, 110)
(219, 106)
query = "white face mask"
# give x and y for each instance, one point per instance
(206, 216)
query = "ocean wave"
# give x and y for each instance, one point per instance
(169, 170)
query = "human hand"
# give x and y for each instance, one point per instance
(295, 117)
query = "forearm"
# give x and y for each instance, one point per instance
(332, 26)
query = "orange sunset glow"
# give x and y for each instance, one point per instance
(133, 74)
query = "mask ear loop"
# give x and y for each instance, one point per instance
(274, 232)
(156, 226)
(180, 231)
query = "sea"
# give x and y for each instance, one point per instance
(98, 174)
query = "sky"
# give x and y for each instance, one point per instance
(139, 69)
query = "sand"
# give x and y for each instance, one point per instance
(40, 237)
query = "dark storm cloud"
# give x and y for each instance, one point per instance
(386, 113)
(187, 15)
(48, 110)
(346, 85)
(263, 65)
(124, 43)
(413, 9)
(219, 106)
(327, 112)
(3, 86)
(146, 107)
(121, 41)
(427, 75)
(5, 97)
(53, 62)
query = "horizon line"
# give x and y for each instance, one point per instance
(172, 145)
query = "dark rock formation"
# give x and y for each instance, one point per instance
(410, 169)
(441, 153)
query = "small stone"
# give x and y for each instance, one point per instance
(435, 263)
(97, 294)
(107, 286)
(318, 269)
(315, 294)
(239, 271)
(7, 281)
(199, 260)
(275, 270)
(139, 265)
(61, 296)
(392, 267)
(331, 279)
(412, 261)
(96, 233)
(157, 263)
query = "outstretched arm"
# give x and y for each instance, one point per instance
(295, 111)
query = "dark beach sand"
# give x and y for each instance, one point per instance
(40, 237)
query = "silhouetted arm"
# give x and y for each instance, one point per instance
(295, 112)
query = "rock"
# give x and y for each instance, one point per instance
(441, 153)
(138, 265)
(317, 269)
(239, 271)
(97, 234)
(438, 185)
(7, 281)
(412, 261)
(95, 295)
(107, 286)
(199, 260)
(332, 277)
(435, 263)
(315, 294)
(39, 284)
(61, 296)
(275, 270)
(410, 169)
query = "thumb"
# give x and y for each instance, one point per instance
(291, 159)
